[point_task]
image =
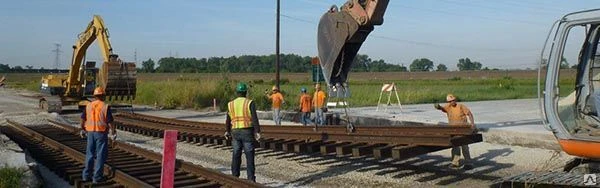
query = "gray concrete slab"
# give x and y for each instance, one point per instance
(510, 122)
(520, 115)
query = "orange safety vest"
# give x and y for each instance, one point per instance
(239, 112)
(96, 116)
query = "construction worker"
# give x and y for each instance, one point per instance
(319, 104)
(276, 100)
(96, 123)
(458, 114)
(242, 125)
(305, 105)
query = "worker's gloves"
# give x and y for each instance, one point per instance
(227, 135)
(437, 106)
(82, 133)
(257, 137)
(113, 136)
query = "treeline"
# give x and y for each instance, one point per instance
(5, 68)
(255, 63)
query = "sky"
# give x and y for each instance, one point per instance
(506, 34)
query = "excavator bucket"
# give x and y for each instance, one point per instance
(341, 33)
(339, 40)
(118, 79)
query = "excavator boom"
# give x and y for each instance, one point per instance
(342, 32)
(117, 78)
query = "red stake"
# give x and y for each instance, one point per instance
(167, 176)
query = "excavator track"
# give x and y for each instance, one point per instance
(548, 179)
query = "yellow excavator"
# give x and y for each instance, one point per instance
(116, 77)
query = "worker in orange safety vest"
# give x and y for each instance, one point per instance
(96, 123)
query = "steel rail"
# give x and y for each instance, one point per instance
(118, 175)
(369, 142)
(227, 180)
(375, 130)
(411, 135)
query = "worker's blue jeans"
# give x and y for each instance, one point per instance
(319, 116)
(305, 118)
(243, 139)
(97, 148)
(277, 116)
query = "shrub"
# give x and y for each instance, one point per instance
(10, 177)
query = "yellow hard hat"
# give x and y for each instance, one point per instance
(99, 91)
(274, 88)
(317, 86)
(450, 97)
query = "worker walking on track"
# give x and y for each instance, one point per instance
(457, 116)
(276, 99)
(305, 106)
(96, 123)
(319, 104)
(242, 125)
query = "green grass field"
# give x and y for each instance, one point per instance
(198, 90)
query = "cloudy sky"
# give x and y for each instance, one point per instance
(498, 33)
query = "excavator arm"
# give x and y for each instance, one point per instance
(95, 30)
(117, 78)
(342, 32)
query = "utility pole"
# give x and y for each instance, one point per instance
(57, 57)
(277, 49)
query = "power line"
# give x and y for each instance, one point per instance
(424, 43)
(472, 16)
(450, 46)
(496, 9)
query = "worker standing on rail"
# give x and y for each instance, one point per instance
(242, 125)
(457, 116)
(319, 104)
(96, 123)
(305, 106)
(276, 99)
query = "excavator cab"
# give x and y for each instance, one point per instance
(570, 76)
(89, 81)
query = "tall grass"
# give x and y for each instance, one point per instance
(198, 90)
(10, 177)
(183, 93)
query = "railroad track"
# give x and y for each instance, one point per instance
(372, 141)
(59, 147)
